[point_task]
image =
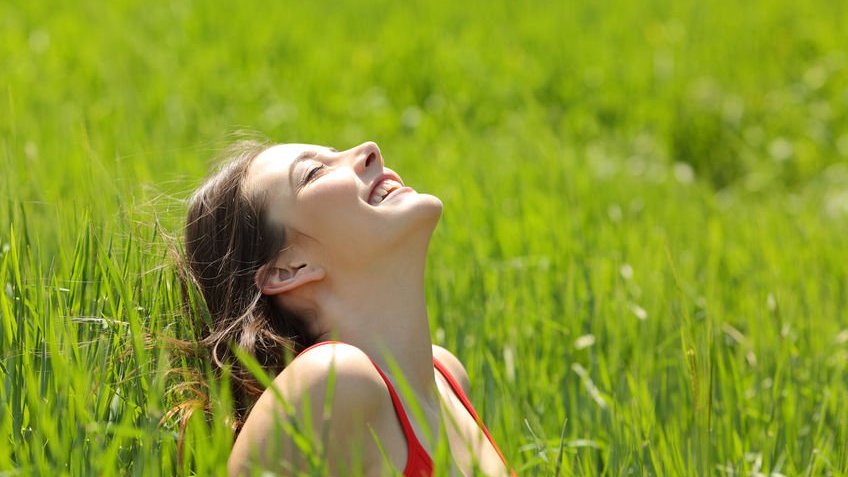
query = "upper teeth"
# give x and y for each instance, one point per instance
(383, 189)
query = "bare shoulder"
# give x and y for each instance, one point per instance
(334, 387)
(336, 367)
(454, 365)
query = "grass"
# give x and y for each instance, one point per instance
(642, 256)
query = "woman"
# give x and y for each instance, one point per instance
(302, 249)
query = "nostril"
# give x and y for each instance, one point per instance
(370, 159)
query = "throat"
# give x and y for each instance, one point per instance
(383, 312)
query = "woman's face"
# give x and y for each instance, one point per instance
(345, 202)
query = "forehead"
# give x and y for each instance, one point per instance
(273, 167)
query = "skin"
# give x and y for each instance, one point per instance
(357, 271)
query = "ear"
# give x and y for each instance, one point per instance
(277, 278)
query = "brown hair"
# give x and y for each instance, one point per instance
(227, 239)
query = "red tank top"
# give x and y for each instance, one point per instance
(418, 462)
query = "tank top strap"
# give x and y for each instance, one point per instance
(457, 389)
(399, 409)
(396, 402)
(418, 461)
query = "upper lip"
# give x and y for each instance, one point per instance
(387, 174)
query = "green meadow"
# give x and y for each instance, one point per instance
(642, 255)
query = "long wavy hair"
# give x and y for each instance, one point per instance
(227, 239)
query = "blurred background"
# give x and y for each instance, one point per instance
(641, 259)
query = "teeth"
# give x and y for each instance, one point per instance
(383, 189)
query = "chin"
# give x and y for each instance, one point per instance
(430, 208)
(402, 230)
(417, 217)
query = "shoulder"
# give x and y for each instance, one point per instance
(334, 383)
(454, 365)
(333, 387)
(337, 368)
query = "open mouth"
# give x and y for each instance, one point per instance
(386, 186)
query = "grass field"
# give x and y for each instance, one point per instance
(641, 262)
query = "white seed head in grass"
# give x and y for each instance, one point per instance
(684, 173)
(771, 302)
(626, 271)
(640, 312)
(593, 390)
(584, 341)
(509, 362)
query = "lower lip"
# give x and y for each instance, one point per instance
(396, 192)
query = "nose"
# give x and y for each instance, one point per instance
(367, 156)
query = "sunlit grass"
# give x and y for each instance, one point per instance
(641, 260)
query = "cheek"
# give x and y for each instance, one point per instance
(331, 209)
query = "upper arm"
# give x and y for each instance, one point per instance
(325, 400)
(455, 367)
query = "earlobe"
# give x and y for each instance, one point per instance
(273, 280)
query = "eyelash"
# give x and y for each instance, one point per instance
(312, 174)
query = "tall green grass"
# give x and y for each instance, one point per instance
(641, 260)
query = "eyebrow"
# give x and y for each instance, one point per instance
(300, 158)
(304, 156)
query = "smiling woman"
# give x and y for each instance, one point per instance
(306, 251)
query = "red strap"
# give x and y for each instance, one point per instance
(457, 389)
(404, 420)
(418, 461)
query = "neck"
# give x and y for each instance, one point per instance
(381, 309)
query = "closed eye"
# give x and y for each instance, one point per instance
(311, 175)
